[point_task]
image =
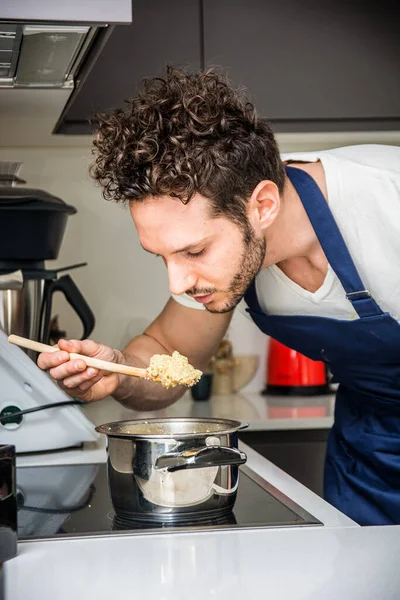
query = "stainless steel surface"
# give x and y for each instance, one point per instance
(142, 487)
(42, 55)
(48, 50)
(47, 54)
(20, 310)
(210, 456)
(9, 171)
(12, 281)
(171, 427)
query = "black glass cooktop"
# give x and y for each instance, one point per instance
(74, 500)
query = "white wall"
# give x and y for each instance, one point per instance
(126, 287)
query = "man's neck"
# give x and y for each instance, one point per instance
(292, 236)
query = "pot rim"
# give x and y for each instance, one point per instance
(111, 429)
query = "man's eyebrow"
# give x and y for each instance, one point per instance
(192, 245)
(184, 249)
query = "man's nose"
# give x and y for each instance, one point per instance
(180, 278)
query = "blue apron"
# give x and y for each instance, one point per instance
(362, 466)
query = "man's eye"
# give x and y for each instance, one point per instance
(195, 254)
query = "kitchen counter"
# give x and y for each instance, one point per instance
(338, 560)
(262, 413)
(291, 432)
(305, 563)
(252, 408)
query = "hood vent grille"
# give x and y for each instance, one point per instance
(33, 55)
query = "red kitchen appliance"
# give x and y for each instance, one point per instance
(290, 373)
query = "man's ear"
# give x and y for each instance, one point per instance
(264, 205)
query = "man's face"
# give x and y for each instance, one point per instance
(211, 259)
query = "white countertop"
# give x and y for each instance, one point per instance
(257, 410)
(280, 564)
(252, 408)
(339, 560)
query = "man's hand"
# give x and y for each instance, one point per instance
(74, 377)
(193, 333)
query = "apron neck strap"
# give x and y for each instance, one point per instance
(332, 242)
(251, 298)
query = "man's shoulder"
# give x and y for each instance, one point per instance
(379, 156)
(371, 155)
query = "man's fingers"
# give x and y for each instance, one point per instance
(69, 345)
(73, 375)
(48, 360)
(85, 347)
(71, 367)
(88, 384)
(74, 381)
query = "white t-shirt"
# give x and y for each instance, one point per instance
(363, 184)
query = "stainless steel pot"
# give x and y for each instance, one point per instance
(173, 468)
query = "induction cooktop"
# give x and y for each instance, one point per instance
(74, 501)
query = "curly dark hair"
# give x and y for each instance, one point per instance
(184, 133)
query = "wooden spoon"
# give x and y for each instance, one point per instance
(162, 373)
(103, 365)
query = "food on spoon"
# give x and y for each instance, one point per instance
(173, 370)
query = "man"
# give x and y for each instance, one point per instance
(307, 244)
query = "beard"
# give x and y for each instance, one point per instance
(252, 258)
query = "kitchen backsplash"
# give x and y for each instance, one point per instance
(126, 287)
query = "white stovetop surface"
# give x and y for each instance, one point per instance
(280, 564)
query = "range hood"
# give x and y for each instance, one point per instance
(43, 42)
(35, 55)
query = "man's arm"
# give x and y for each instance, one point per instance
(194, 333)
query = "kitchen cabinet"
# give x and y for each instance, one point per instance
(311, 65)
(300, 453)
(161, 33)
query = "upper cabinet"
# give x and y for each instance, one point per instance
(162, 33)
(73, 11)
(309, 65)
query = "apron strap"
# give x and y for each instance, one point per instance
(251, 298)
(332, 242)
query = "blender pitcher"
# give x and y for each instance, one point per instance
(26, 303)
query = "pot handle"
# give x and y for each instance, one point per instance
(196, 458)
